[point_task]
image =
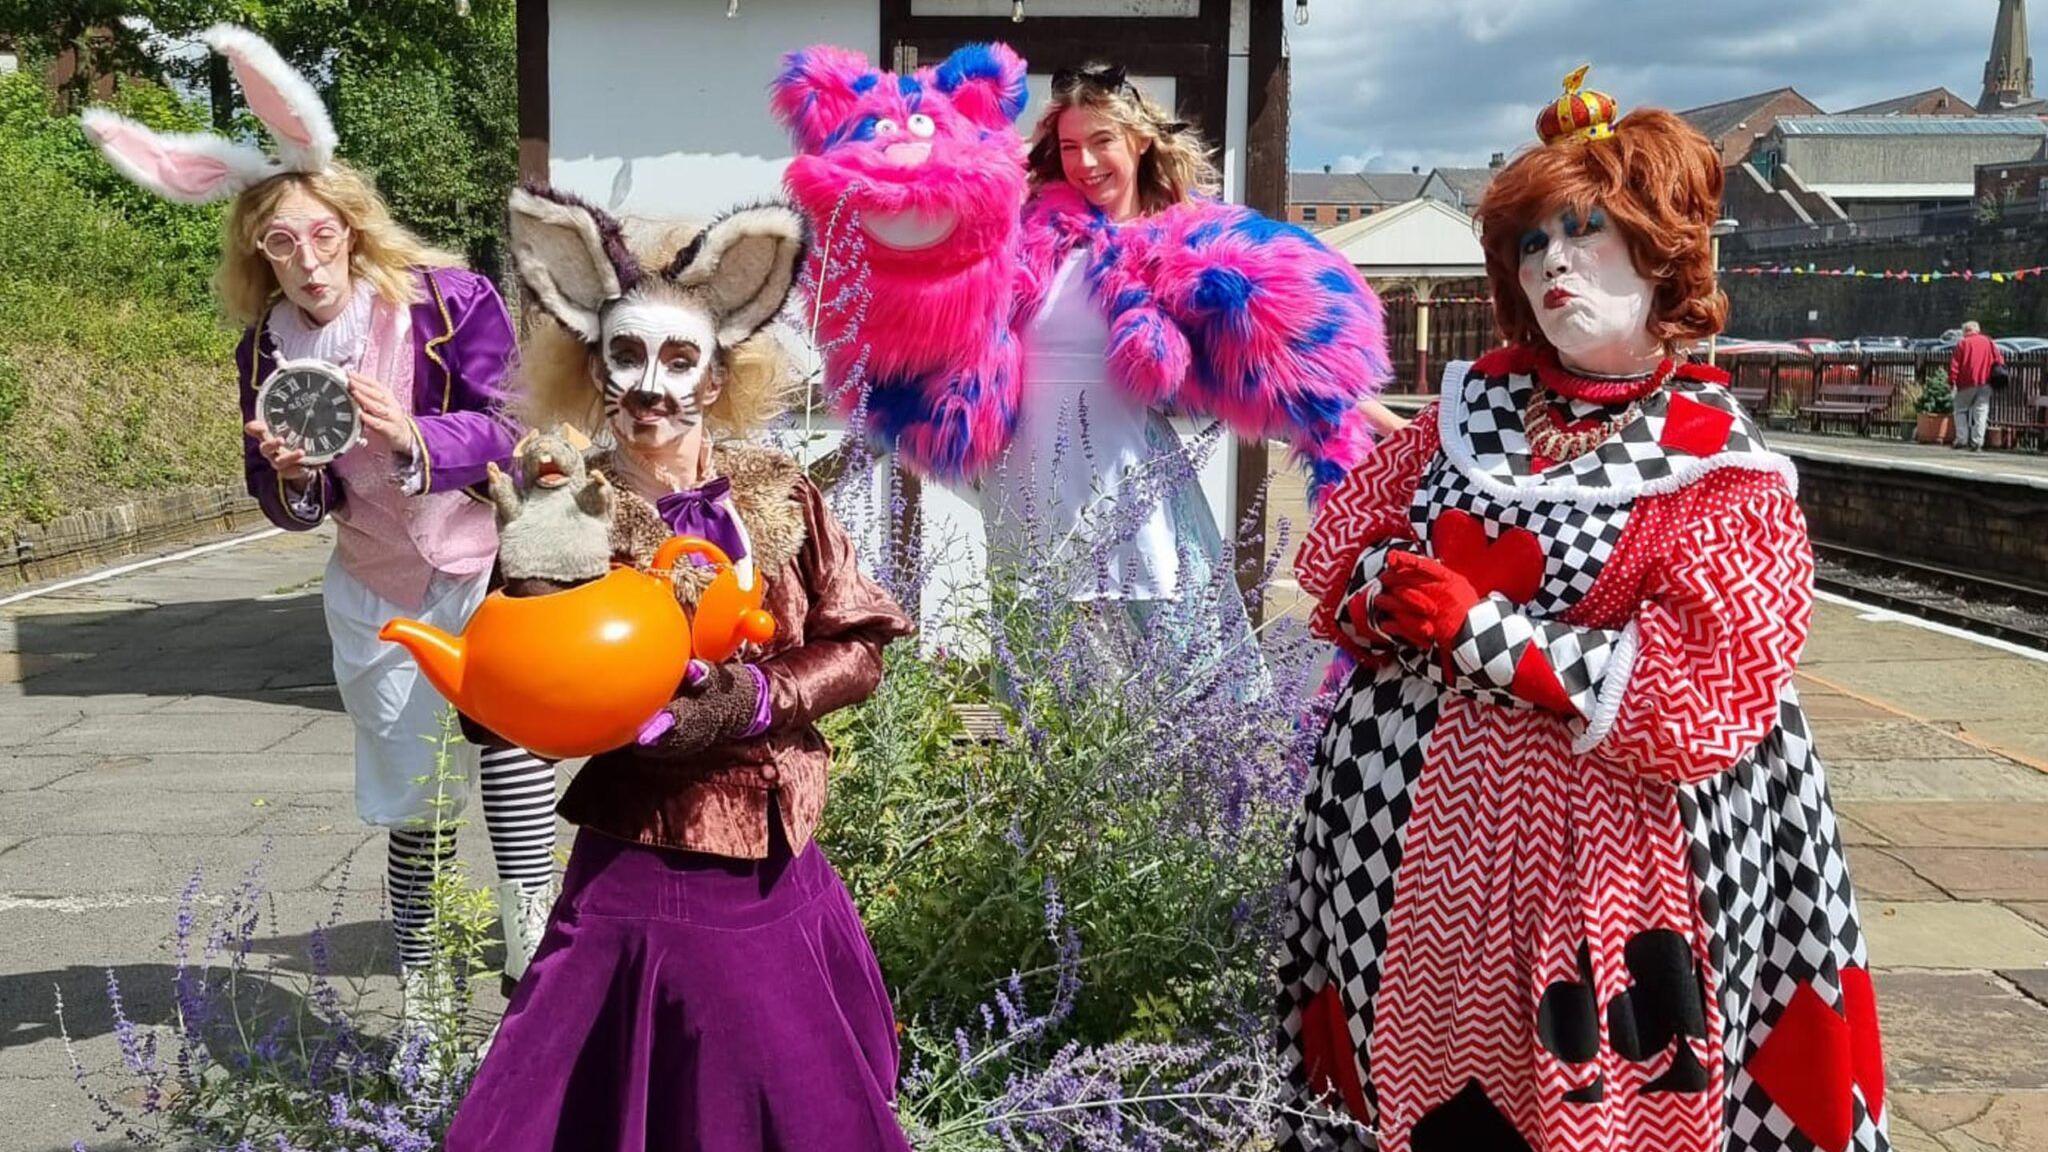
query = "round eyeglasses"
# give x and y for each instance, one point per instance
(326, 241)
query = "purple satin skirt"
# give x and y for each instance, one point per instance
(682, 1002)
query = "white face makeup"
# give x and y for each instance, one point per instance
(1589, 300)
(304, 228)
(655, 370)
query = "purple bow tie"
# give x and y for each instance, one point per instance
(705, 511)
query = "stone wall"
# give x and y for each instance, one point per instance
(88, 540)
(1979, 525)
(1789, 307)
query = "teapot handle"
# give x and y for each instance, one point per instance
(675, 547)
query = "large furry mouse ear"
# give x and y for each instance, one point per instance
(188, 167)
(570, 255)
(744, 263)
(284, 100)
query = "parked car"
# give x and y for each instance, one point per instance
(1879, 344)
(2016, 344)
(1943, 344)
(1818, 345)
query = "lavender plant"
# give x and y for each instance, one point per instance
(262, 1057)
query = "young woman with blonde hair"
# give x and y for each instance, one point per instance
(316, 268)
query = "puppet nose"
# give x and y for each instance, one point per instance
(908, 154)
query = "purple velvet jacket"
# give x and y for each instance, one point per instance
(464, 351)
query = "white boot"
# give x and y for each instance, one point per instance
(523, 918)
(426, 1019)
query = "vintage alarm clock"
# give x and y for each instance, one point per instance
(306, 404)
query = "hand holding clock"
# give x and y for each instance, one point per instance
(383, 419)
(288, 462)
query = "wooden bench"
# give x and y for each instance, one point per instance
(1858, 402)
(1750, 396)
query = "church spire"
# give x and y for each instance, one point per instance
(2009, 73)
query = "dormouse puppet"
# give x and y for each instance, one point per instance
(554, 523)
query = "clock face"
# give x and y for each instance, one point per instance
(306, 404)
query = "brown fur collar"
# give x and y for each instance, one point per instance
(764, 488)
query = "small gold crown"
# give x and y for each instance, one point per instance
(1577, 115)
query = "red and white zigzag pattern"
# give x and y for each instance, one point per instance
(1364, 508)
(1517, 854)
(1721, 629)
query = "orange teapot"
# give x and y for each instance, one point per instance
(577, 672)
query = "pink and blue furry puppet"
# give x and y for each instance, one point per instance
(1214, 310)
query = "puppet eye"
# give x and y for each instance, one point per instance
(921, 125)
(885, 127)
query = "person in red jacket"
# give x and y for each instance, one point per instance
(1969, 373)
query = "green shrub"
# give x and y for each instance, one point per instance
(1936, 397)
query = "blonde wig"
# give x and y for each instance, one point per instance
(381, 250)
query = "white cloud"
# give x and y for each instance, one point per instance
(1407, 82)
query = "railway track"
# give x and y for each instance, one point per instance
(1982, 604)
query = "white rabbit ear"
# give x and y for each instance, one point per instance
(189, 167)
(280, 97)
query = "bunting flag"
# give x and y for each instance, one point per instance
(2005, 276)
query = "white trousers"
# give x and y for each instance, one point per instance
(397, 713)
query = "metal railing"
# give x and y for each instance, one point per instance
(1786, 389)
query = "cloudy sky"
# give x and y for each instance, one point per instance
(1386, 84)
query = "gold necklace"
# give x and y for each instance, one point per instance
(1553, 443)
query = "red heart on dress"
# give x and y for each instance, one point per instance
(1510, 564)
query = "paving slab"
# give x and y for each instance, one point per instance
(1895, 739)
(1953, 824)
(1980, 1122)
(1880, 875)
(2032, 982)
(160, 733)
(215, 772)
(1949, 934)
(1981, 873)
(1965, 1031)
(1935, 780)
(1843, 637)
(28, 772)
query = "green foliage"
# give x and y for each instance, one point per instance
(954, 848)
(67, 219)
(111, 353)
(1936, 397)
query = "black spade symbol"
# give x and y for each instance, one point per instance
(1467, 1122)
(1665, 1002)
(1592, 1093)
(1568, 1018)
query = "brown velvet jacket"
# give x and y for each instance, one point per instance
(832, 623)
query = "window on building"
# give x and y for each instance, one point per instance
(1309, 213)
(1343, 214)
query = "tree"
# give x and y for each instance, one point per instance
(423, 92)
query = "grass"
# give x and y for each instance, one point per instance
(103, 403)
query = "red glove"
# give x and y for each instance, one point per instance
(1421, 602)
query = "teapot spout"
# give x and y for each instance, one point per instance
(441, 656)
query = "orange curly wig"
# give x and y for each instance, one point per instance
(1657, 179)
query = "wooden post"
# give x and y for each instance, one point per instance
(530, 34)
(1422, 288)
(1265, 189)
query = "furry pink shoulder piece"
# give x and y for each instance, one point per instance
(1213, 309)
